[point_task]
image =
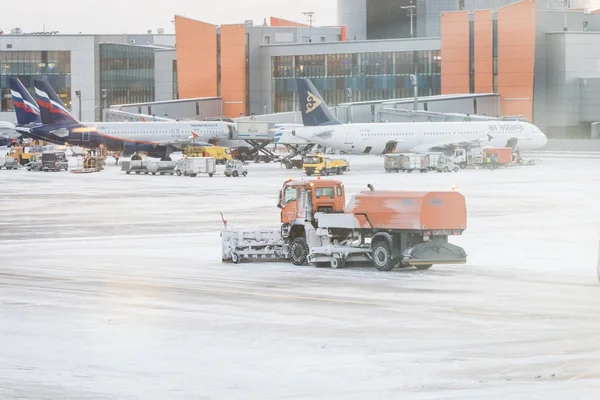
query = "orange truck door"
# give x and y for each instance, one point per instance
(290, 204)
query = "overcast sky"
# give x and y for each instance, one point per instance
(137, 16)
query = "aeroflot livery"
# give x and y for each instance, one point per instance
(158, 139)
(322, 128)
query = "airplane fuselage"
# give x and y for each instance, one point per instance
(379, 138)
(137, 136)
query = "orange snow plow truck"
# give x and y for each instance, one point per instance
(388, 228)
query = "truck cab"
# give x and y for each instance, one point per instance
(54, 161)
(300, 200)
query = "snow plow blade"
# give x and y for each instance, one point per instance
(253, 245)
(434, 252)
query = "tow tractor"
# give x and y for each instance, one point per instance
(388, 228)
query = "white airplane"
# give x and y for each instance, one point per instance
(321, 127)
(158, 139)
(7, 133)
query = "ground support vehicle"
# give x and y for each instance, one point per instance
(221, 154)
(192, 166)
(431, 160)
(407, 162)
(294, 162)
(90, 164)
(35, 164)
(235, 168)
(318, 164)
(445, 164)
(135, 166)
(54, 161)
(21, 154)
(161, 167)
(385, 228)
(8, 163)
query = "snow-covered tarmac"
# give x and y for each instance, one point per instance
(111, 287)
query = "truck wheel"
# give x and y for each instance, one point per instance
(178, 173)
(245, 173)
(235, 174)
(338, 263)
(193, 175)
(382, 256)
(455, 169)
(462, 165)
(424, 267)
(211, 175)
(299, 250)
(235, 258)
(289, 165)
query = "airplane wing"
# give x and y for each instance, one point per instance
(443, 146)
(181, 144)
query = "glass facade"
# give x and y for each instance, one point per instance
(370, 76)
(127, 73)
(54, 66)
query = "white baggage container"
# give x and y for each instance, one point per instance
(192, 166)
(161, 167)
(8, 163)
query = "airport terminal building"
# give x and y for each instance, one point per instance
(541, 57)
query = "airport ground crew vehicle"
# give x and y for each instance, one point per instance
(54, 161)
(8, 163)
(192, 166)
(221, 154)
(318, 164)
(386, 228)
(445, 164)
(294, 162)
(408, 162)
(90, 164)
(235, 168)
(22, 155)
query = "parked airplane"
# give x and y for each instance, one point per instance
(27, 110)
(158, 139)
(8, 133)
(321, 127)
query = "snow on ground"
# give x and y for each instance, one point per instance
(111, 287)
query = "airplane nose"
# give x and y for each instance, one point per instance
(544, 139)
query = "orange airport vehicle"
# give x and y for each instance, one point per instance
(503, 154)
(387, 228)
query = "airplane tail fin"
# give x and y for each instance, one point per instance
(25, 107)
(52, 109)
(314, 110)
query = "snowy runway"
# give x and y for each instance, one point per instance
(111, 287)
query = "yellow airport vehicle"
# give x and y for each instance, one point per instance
(220, 154)
(318, 164)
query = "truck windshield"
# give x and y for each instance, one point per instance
(324, 192)
(48, 157)
(311, 160)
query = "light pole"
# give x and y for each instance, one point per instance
(309, 15)
(78, 94)
(411, 13)
(415, 83)
(104, 103)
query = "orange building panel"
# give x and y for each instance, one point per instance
(455, 52)
(484, 56)
(285, 22)
(196, 44)
(516, 58)
(233, 69)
